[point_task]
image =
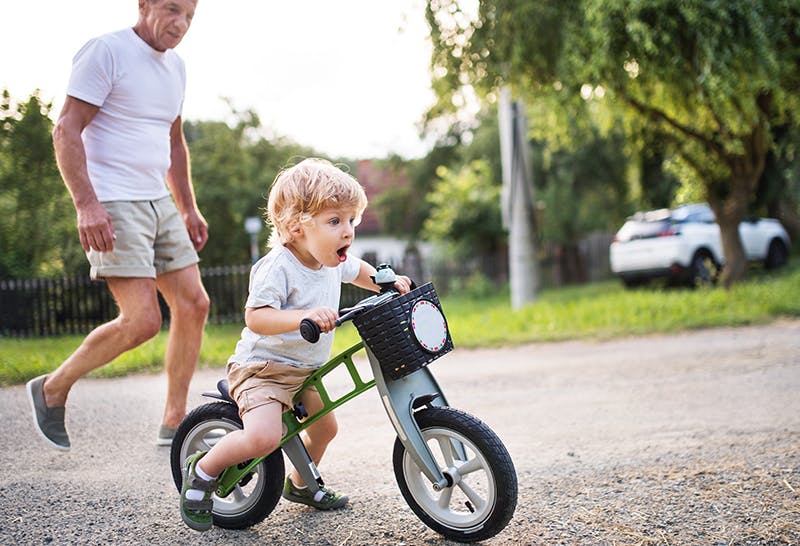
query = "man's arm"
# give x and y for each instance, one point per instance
(94, 223)
(179, 179)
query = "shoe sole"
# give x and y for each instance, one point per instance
(51, 443)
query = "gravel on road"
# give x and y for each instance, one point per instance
(692, 438)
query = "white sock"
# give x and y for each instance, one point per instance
(196, 494)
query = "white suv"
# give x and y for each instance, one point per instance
(684, 245)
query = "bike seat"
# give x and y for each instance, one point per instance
(222, 387)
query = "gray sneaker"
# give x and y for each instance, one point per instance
(165, 436)
(49, 422)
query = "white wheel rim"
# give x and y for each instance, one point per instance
(476, 487)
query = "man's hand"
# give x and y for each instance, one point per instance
(197, 227)
(95, 228)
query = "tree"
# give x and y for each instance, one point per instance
(233, 168)
(712, 77)
(37, 220)
(465, 211)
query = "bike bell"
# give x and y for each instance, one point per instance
(384, 277)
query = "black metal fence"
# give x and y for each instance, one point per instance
(76, 305)
(51, 307)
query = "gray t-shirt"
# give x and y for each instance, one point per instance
(280, 281)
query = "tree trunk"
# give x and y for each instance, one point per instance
(730, 200)
(730, 211)
(735, 267)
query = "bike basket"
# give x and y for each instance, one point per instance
(406, 333)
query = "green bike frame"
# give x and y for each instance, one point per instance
(400, 398)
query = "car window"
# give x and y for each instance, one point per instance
(641, 229)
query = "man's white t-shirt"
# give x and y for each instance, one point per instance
(140, 92)
(280, 281)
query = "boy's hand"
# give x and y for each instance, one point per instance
(402, 284)
(325, 317)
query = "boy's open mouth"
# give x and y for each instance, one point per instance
(342, 253)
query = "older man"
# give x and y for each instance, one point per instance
(118, 139)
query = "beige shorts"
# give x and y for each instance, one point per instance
(151, 239)
(254, 385)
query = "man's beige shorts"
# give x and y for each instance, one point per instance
(254, 385)
(151, 239)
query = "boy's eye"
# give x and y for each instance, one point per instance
(334, 221)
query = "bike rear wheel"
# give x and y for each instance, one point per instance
(256, 495)
(483, 496)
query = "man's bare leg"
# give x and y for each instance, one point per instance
(139, 320)
(188, 304)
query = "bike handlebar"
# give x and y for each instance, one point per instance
(311, 331)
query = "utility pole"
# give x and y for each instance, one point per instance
(518, 201)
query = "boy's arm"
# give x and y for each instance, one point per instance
(268, 321)
(364, 280)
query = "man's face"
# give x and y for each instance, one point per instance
(163, 23)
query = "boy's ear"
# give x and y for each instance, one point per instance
(296, 229)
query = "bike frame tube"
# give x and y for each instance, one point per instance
(291, 443)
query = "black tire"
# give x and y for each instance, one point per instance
(777, 254)
(703, 271)
(256, 496)
(492, 485)
(634, 282)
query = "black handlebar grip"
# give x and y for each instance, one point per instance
(309, 330)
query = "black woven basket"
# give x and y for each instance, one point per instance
(387, 331)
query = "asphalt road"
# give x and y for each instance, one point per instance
(688, 438)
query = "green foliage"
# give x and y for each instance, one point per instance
(232, 169)
(36, 214)
(584, 190)
(465, 210)
(600, 310)
(709, 79)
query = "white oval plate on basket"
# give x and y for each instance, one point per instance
(429, 326)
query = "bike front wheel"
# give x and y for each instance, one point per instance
(256, 494)
(483, 495)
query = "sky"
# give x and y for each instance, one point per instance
(348, 77)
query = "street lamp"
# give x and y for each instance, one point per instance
(252, 225)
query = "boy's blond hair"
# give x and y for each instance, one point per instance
(301, 191)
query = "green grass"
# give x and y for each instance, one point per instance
(600, 310)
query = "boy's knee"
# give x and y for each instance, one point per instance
(324, 430)
(262, 443)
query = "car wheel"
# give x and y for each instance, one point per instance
(777, 255)
(703, 271)
(633, 282)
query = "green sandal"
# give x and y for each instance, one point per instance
(324, 499)
(197, 513)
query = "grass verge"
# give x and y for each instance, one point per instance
(600, 310)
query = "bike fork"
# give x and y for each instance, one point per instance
(298, 455)
(401, 398)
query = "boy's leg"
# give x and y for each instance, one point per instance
(262, 433)
(318, 435)
(316, 440)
